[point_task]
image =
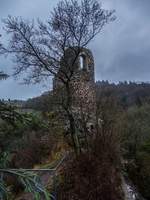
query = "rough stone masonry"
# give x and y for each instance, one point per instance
(82, 83)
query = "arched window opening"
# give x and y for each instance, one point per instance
(83, 65)
(81, 62)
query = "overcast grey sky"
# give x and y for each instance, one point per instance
(121, 51)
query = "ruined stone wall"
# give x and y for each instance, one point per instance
(82, 82)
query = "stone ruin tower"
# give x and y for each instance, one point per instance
(82, 83)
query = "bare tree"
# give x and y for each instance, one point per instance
(40, 49)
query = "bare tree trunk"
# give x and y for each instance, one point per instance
(71, 118)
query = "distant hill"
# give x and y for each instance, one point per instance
(40, 103)
(15, 103)
(125, 93)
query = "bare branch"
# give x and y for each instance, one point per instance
(38, 50)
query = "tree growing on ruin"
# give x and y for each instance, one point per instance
(39, 49)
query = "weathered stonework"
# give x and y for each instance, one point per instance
(82, 83)
(84, 72)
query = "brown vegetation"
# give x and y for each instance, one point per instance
(94, 175)
(33, 153)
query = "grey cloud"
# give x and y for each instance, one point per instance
(121, 50)
(11, 89)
